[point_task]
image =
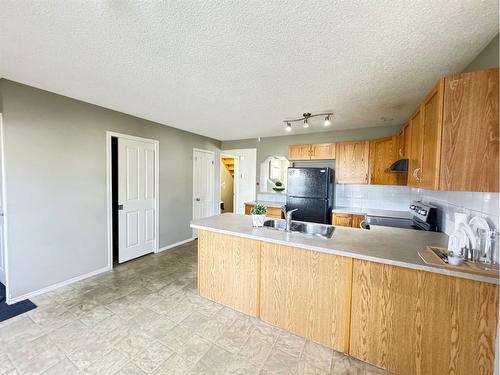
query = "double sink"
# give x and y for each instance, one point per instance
(313, 229)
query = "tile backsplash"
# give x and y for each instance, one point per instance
(373, 196)
(471, 203)
(399, 198)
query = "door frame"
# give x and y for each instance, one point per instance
(235, 181)
(4, 208)
(213, 183)
(156, 143)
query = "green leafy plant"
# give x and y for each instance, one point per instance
(259, 209)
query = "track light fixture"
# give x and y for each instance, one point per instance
(305, 119)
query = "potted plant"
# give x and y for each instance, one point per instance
(258, 215)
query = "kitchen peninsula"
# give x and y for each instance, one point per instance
(365, 293)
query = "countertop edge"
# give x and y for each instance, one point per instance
(418, 267)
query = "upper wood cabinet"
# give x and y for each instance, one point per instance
(299, 152)
(320, 151)
(352, 164)
(455, 135)
(432, 122)
(470, 138)
(383, 152)
(415, 154)
(403, 142)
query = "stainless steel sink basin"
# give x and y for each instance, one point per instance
(321, 230)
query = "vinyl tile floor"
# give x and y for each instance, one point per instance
(145, 317)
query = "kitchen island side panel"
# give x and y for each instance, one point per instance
(416, 322)
(228, 271)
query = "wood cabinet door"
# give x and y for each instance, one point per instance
(416, 322)
(228, 270)
(415, 156)
(352, 163)
(248, 209)
(274, 212)
(400, 143)
(407, 141)
(383, 152)
(470, 139)
(403, 142)
(342, 220)
(307, 293)
(323, 151)
(431, 112)
(299, 152)
(357, 220)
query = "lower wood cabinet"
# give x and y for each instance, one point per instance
(228, 270)
(416, 322)
(272, 212)
(403, 320)
(348, 220)
(307, 293)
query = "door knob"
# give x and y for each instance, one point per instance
(198, 199)
(120, 207)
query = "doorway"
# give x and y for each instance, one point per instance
(203, 184)
(133, 186)
(228, 186)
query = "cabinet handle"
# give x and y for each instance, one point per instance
(415, 174)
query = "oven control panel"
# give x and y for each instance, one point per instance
(421, 210)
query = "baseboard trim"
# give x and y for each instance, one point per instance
(50, 288)
(168, 247)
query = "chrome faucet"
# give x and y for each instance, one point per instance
(288, 217)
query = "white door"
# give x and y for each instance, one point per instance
(137, 199)
(203, 184)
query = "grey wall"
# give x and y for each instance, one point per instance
(279, 145)
(55, 157)
(488, 58)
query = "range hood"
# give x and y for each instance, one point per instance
(399, 166)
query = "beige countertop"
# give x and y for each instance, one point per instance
(393, 246)
(373, 212)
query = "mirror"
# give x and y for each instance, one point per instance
(273, 172)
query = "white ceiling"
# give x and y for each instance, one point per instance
(236, 69)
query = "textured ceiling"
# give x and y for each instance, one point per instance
(236, 69)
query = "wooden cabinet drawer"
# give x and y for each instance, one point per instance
(348, 220)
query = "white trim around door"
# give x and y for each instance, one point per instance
(4, 238)
(212, 187)
(109, 135)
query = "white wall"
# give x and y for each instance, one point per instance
(246, 178)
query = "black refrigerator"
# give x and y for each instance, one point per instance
(311, 191)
